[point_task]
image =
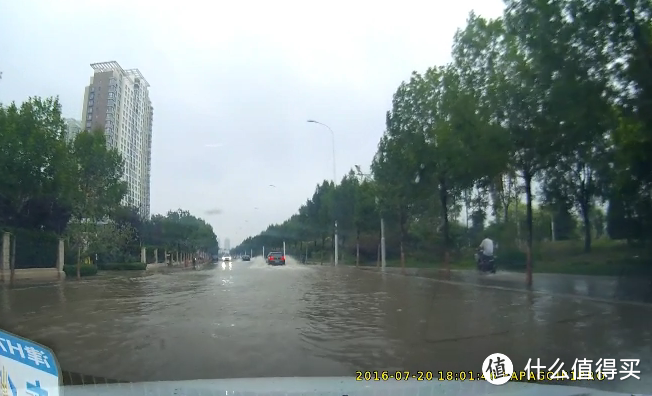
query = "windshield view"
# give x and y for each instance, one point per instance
(406, 197)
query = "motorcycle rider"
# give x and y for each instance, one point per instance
(485, 250)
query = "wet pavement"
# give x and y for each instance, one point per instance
(636, 290)
(251, 320)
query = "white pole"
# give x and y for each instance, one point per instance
(283, 248)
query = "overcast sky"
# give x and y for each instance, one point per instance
(241, 75)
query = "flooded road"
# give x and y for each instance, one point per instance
(251, 320)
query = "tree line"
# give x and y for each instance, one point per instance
(553, 101)
(58, 186)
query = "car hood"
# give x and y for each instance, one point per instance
(329, 386)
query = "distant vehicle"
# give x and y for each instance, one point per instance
(275, 258)
(246, 258)
(226, 258)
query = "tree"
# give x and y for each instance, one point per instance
(552, 93)
(513, 99)
(99, 172)
(33, 155)
(366, 216)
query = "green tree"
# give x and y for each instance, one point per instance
(99, 172)
(35, 186)
(513, 98)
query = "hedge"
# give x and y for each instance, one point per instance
(84, 270)
(123, 267)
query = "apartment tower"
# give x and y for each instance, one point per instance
(117, 101)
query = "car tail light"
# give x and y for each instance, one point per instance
(282, 258)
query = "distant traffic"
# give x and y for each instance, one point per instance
(273, 258)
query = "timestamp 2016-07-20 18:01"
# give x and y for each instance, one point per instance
(371, 375)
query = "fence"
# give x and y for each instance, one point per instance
(33, 254)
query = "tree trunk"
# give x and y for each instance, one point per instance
(528, 200)
(402, 220)
(466, 214)
(587, 225)
(323, 246)
(402, 257)
(79, 263)
(357, 247)
(443, 197)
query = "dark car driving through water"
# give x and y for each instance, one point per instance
(275, 258)
(246, 258)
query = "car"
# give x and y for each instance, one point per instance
(226, 258)
(275, 258)
(246, 258)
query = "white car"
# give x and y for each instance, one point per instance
(226, 258)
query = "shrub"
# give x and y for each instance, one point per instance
(84, 270)
(124, 267)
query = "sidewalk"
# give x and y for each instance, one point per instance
(607, 288)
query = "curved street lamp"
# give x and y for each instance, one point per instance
(334, 184)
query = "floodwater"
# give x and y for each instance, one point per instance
(252, 320)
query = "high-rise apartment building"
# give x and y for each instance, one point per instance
(227, 244)
(117, 101)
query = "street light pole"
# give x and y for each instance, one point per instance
(334, 184)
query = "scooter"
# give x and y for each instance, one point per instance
(486, 264)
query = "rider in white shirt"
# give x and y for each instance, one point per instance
(486, 248)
